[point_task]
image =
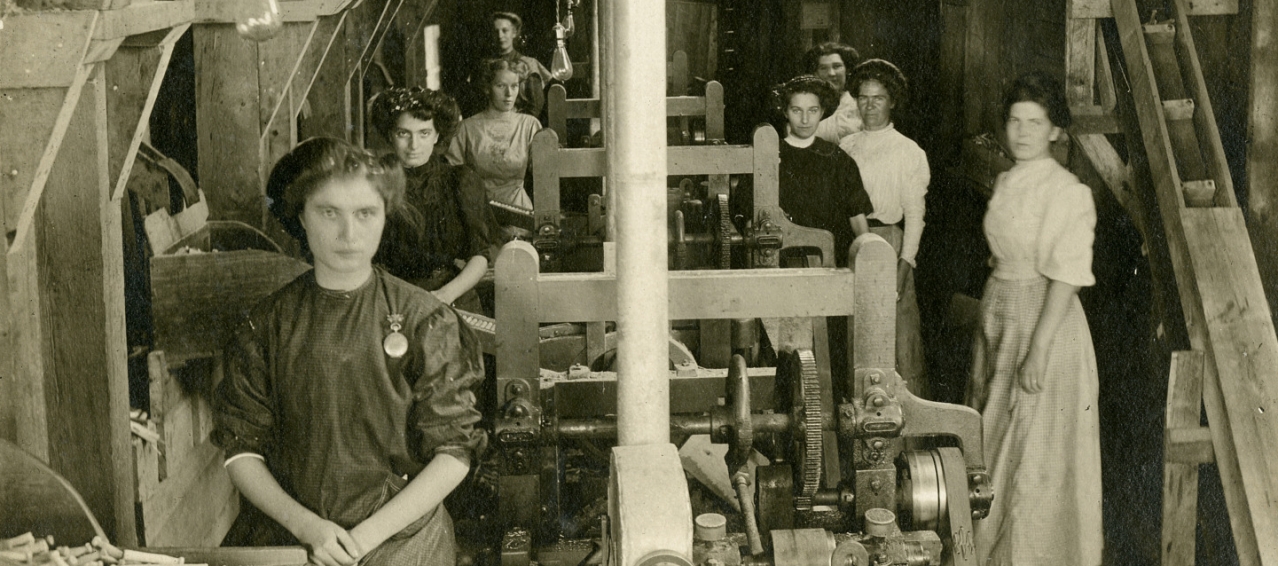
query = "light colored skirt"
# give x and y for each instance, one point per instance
(1043, 450)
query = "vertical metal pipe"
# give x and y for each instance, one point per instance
(636, 145)
(596, 54)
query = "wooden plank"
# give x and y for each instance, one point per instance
(1101, 8)
(517, 308)
(82, 304)
(327, 95)
(30, 419)
(8, 350)
(1191, 445)
(31, 199)
(975, 69)
(144, 17)
(1104, 159)
(225, 86)
(1242, 346)
(35, 112)
(1180, 480)
(1205, 116)
(705, 294)
(134, 75)
(279, 62)
(954, 29)
(220, 11)
(1080, 60)
(238, 556)
(203, 512)
(44, 49)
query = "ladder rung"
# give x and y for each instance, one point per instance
(1199, 194)
(1179, 109)
(1160, 32)
(1190, 445)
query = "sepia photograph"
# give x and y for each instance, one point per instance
(638, 283)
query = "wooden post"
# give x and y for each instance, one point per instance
(1262, 146)
(1180, 479)
(80, 272)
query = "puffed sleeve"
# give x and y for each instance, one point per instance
(916, 177)
(456, 154)
(858, 201)
(243, 419)
(1064, 249)
(481, 224)
(444, 413)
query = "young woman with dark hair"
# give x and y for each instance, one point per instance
(346, 411)
(442, 239)
(1034, 375)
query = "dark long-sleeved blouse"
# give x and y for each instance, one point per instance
(445, 218)
(820, 187)
(339, 422)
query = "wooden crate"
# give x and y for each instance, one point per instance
(184, 493)
(197, 298)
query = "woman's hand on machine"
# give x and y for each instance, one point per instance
(903, 271)
(329, 544)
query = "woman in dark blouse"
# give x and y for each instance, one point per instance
(346, 411)
(442, 238)
(820, 186)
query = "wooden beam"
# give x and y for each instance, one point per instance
(1180, 480)
(135, 75)
(226, 117)
(1116, 175)
(1243, 352)
(1101, 8)
(1080, 59)
(144, 17)
(223, 12)
(44, 49)
(30, 201)
(81, 276)
(1262, 145)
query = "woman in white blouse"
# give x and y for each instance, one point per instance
(1034, 373)
(895, 172)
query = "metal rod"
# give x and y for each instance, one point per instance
(741, 481)
(637, 172)
(604, 427)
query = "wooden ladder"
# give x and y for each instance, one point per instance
(1232, 368)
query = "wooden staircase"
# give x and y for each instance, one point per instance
(1232, 367)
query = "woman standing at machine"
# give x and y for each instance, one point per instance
(1034, 375)
(495, 142)
(820, 186)
(508, 30)
(445, 220)
(346, 411)
(896, 175)
(831, 61)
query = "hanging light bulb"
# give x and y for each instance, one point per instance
(561, 64)
(258, 20)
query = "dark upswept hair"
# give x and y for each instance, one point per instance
(1041, 88)
(886, 74)
(812, 59)
(805, 84)
(297, 176)
(420, 103)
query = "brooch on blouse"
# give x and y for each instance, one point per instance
(395, 344)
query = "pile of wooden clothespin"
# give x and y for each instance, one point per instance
(27, 550)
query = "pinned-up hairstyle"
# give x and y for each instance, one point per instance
(886, 74)
(1042, 89)
(812, 59)
(297, 176)
(805, 84)
(422, 104)
(512, 17)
